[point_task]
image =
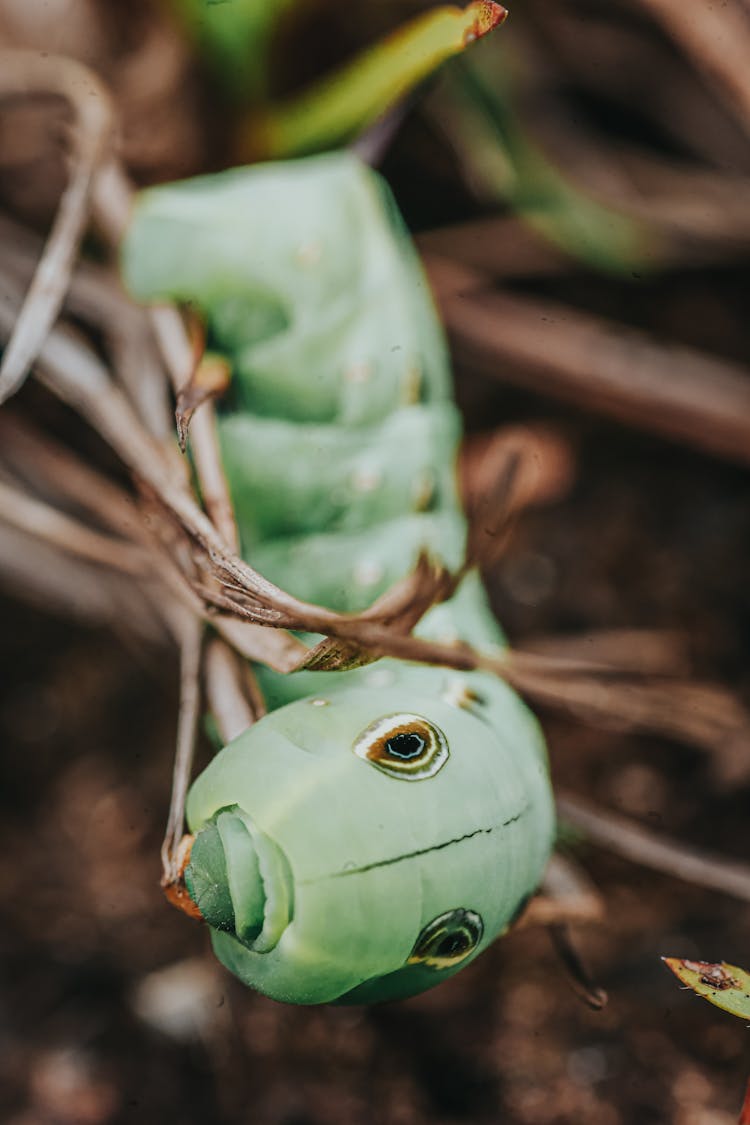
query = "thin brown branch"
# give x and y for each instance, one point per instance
(687, 212)
(96, 296)
(226, 691)
(506, 471)
(380, 640)
(703, 715)
(76, 375)
(656, 652)
(187, 730)
(179, 358)
(22, 73)
(695, 214)
(112, 201)
(579, 976)
(55, 471)
(503, 246)
(57, 582)
(587, 51)
(112, 196)
(210, 470)
(399, 608)
(692, 205)
(210, 377)
(541, 676)
(717, 38)
(602, 366)
(654, 850)
(274, 647)
(700, 233)
(46, 522)
(567, 896)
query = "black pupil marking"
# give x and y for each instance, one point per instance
(448, 939)
(452, 944)
(405, 746)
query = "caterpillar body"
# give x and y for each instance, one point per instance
(379, 827)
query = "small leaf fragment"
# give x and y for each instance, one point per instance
(725, 986)
(210, 379)
(343, 103)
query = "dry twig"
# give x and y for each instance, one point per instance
(567, 897)
(180, 360)
(95, 295)
(187, 725)
(47, 523)
(717, 38)
(229, 701)
(55, 472)
(504, 472)
(674, 391)
(644, 652)
(610, 59)
(580, 978)
(703, 715)
(651, 849)
(29, 72)
(57, 582)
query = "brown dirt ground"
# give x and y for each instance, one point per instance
(651, 535)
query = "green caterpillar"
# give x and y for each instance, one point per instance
(379, 827)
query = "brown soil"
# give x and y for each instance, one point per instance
(111, 1008)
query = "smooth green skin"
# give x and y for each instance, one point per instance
(359, 477)
(312, 289)
(309, 282)
(369, 854)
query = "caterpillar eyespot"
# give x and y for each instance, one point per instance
(338, 437)
(405, 746)
(448, 939)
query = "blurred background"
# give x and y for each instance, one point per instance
(579, 184)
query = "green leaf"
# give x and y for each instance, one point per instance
(347, 101)
(477, 111)
(725, 986)
(235, 36)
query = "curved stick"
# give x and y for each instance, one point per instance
(661, 853)
(28, 72)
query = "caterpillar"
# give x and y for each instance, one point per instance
(379, 827)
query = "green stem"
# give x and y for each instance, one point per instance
(353, 97)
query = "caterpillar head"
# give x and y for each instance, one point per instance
(368, 844)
